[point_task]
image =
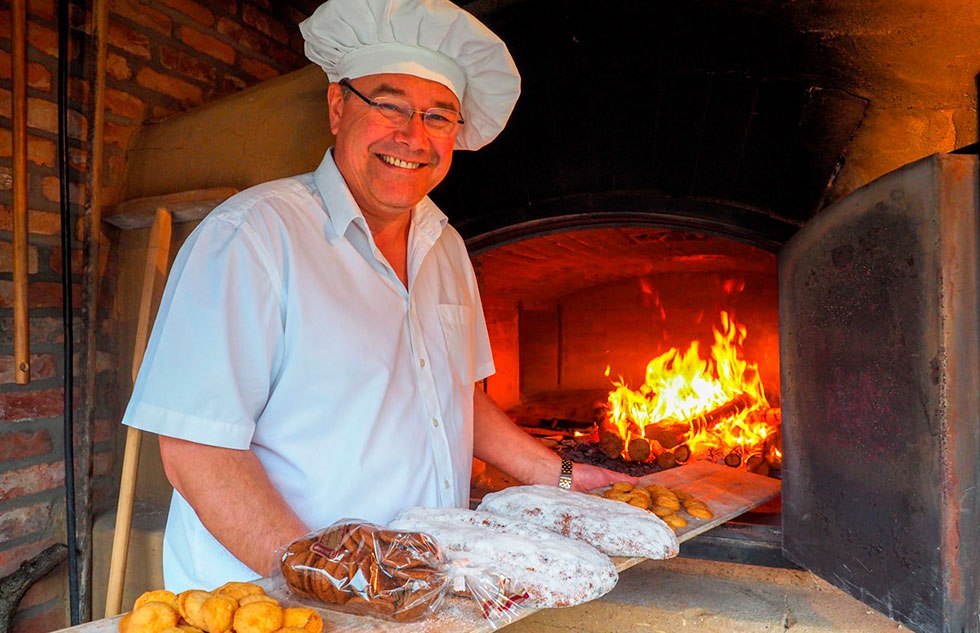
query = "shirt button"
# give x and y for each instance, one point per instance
(435, 422)
(446, 483)
(421, 362)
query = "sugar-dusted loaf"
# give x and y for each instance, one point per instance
(554, 571)
(614, 528)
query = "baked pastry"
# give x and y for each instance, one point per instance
(364, 569)
(552, 570)
(612, 527)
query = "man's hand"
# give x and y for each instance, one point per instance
(587, 477)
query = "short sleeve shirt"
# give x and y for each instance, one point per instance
(283, 330)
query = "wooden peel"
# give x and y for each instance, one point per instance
(154, 278)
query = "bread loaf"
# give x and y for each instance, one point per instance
(364, 569)
(614, 528)
(554, 571)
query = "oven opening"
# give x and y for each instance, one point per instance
(639, 348)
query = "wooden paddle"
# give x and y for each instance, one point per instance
(154, 278)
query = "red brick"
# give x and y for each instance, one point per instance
(119, 135)
(181, 90)
(50, 587)
(264, 23)
(78, 159)
(246, 38)
(230, 83)
(257, 69)
(43, 39)
(38, 222)
(129, 40)
(206, 44)
(42, 9)
(51, 190)
(38, 77)
(42, 366)
(117, 67)
(102, 463)
(143, 15)
(227, 7)
(51, 619)
(40, 151)
(7, 257)
(103, 430)
(77, 257)
(159, 113)
(44, 330)
(197, 12)
(287, 58)
(188, 65)
(42, 294)
(19, 522)
(79, 90)
(31, 480)
(11, 559)
(23, 444)
(124, 104)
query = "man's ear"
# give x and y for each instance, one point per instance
(335, 106)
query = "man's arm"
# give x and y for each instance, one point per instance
(498, 441)
(232, 495)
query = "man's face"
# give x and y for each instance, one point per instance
(389, 170)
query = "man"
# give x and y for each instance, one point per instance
(317, 347)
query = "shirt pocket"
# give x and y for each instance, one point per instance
(457, 328)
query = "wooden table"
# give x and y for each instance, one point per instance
(728, 492)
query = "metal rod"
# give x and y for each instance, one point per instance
(22, 332)
(64, 27)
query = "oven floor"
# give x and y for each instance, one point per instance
(713, 597)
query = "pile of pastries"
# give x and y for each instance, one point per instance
(235, 607)
(662, 501)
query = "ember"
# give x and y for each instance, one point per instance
(694, 408)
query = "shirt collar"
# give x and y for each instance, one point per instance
(341, 209)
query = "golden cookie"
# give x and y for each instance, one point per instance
(239, 590)
(189, 605)
(152, 617)
(218, 612)
(683, 495)
(662, 512)
(159, 595)
(656, 490)
(675, 521)
(622, 486)
(667, 501)
(258, 617)
(302, 618)
(700, 513)
(257, 597)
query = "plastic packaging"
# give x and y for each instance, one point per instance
(365, 569)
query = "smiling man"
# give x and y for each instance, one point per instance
(317, 348)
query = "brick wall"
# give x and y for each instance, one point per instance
(164, 56)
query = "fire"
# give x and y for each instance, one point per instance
(716, 407)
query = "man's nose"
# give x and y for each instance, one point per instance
(413, 131)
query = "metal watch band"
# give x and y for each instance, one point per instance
(565, 478)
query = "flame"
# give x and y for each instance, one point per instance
(721, 399)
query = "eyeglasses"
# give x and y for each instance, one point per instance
(438, 122)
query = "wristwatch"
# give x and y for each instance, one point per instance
(565, 478)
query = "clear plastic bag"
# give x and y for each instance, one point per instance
(365, 569)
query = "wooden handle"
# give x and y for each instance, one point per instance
(154, 276)
(22, 334)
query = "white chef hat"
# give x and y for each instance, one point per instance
(431, 39)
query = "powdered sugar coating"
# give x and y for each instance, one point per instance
(554, 570)
(612, 527)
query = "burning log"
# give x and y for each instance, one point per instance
(733, 407)
(638, 449)
(610, 443)
(733, 459)
(668, 432)
(666, 460)
(682, 453)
